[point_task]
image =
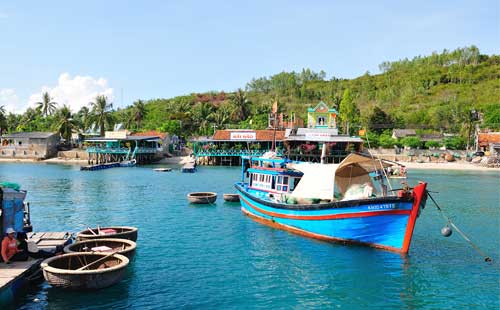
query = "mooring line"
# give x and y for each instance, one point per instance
(486, 258)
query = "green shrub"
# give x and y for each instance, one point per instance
(432, 144)
(386, 141)
(413, 142)
(455, 143)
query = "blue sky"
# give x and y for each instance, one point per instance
(152, 49)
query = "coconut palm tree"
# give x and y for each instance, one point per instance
(46, 106)
(222, 114)
(241, 105)
(83, 117)
(3, 120)
(139, 109)
(101, 113)
(202, 113)
(65, 123)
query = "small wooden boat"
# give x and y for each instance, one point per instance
(189, 167)
(121, 246)
(232, 197)
(84, 271)
(162, 169)
(202, 197)
(128, 163)
(115, 232)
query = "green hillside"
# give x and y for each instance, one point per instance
(430, 93)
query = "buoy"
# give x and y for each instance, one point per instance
(446, 231)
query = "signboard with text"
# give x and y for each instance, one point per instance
(244, 135)
(319, 135)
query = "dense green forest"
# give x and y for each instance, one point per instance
(436, 93)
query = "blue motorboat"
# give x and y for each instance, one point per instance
(347, 202)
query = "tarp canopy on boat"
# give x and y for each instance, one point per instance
(319, 180)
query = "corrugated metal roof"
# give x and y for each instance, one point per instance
(28, 135)
(486, 138)
(260, 135)
(129, 138)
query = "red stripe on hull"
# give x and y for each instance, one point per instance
(418, 195)
(328, 217)
(313, 235)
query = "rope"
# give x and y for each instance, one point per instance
(448, 220)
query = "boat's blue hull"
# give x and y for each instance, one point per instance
(382, 223)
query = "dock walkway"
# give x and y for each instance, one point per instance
(17, 275)
(100, 166)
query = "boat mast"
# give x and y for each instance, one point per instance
(274, 115)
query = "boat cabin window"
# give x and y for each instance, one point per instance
(282, 183)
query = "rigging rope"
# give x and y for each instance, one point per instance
(448, 220)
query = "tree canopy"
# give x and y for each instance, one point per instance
(430, 93)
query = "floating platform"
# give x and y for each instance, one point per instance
(100, 166)
(16, 276)
(50, 241)
(162, 169)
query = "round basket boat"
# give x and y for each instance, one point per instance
(120, 232)
(102, 270)
(121, 246)
(232, 197)
(202, 197)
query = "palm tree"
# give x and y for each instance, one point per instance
(129, 118)
(222, 115)
(83, 117)
(201, 116)
(241, 105)
(101, 113)
(139, 109)
(46, 106)
(65, 123)
(3, 120)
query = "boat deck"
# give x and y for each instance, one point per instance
(49, 241)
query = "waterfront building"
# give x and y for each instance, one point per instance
(489, 142)
(29, 145)
(122, 145)
(227, 146)
(319, 141)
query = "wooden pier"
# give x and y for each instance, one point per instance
(100, 166)
(16, 276)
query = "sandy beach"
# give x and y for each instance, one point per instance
(179, 160)
(448, 166)
(55, 160)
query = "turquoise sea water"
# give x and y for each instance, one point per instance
(214, 257)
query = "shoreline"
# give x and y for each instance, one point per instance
(461, 166)
(179, 160)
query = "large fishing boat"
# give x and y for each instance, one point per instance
(347, 202)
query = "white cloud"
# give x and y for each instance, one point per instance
(10, 101)
(75, 92)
